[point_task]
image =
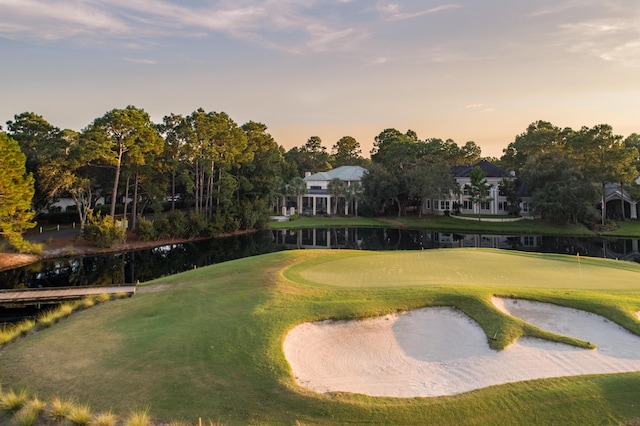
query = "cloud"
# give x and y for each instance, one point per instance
(140, 61)
(470, 106)
(394, 13)
(294, 26)
(609, 39)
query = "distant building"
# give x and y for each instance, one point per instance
(317, 200)
(460, 202)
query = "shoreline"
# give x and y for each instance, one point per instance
(73, 247)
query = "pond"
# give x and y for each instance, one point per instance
(147, 264)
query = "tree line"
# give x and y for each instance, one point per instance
(230, 176)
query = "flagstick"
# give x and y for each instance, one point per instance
(579, 267)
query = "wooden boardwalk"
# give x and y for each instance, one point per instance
(56, 295)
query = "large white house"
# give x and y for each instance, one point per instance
(459, 200)
(317, 200)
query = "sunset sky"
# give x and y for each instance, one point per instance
(479, 70)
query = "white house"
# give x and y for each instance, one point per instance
(317, 200)
(497, 205)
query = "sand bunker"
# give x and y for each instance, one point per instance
(441, 351)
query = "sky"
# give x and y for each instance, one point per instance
(469, 70)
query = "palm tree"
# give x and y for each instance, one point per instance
(353, 194)
(336, 187)
(298, 187)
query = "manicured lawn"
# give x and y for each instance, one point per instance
(210, 344)
(627, 228)
(442, 223)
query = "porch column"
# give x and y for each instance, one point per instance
(328, 205)
(346, 207)
(314, 205)
(634, 210)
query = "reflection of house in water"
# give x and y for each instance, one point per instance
(408, 239)
(311, 238)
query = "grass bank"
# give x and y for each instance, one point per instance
(209, 344)
(443, 223)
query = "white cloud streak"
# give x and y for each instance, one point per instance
(281, 24)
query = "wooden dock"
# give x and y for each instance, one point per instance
(56, 295)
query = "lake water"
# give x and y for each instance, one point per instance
(145, 265)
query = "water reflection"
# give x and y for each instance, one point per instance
(145, 265)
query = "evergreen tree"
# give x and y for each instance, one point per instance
(16, 193)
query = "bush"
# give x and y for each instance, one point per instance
(197, 225)
(177, 223)
(145, 229)
(162, 227)
(103, 230)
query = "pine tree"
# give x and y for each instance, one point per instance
(16, 193)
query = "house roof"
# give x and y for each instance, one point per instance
(490, 170)
(346, 173)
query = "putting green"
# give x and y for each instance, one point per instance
(482, 267)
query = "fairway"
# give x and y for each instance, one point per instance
(481, 267)
(209, 342)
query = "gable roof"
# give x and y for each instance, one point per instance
(490, 170)
(346, 173)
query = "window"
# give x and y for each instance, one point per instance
(529, 241)
(428, 204)
(315, 187)
(444, 205)
(467, 205)
(484, 206)
(465, 190)
(525, 207)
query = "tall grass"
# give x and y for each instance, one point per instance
(59, 409)
(10, 333)
(104, 419)
(79, 414)
(30, 412)
(12, 401)
(138, 418)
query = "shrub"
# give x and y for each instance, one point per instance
(103, 230)
(177, 223)
(196, 225)
(145, 229)
(162, 227)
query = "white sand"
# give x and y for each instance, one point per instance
(441, 351)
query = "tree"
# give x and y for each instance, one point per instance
(353, 194)
(117, 133)
(346, 152)
(16, 192)
(428, 181)
(297, 188)
(509, 188)
(336, 188)
(42, 145)
(382, 186)
(478, 188)
(539, 138)
(603, 157)
(386, 138)
(559, 190)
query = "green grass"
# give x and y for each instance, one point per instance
(322, 221)
(627, 228)
(443, 223)
(210, 345)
